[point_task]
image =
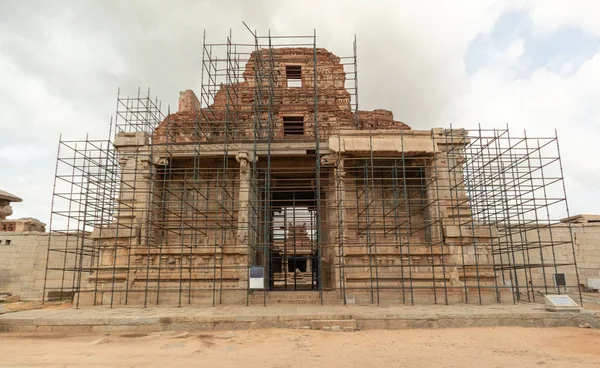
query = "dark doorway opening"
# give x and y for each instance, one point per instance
(294, 249)
(297, 264)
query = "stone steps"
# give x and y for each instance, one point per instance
(295, 297)
(333, 324)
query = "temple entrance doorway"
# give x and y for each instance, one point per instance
(294, 254)
(293, 262)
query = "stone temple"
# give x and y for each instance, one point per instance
(270, 185)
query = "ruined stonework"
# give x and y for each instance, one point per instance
(203, 198)
(16, 225)
(271, 185)
(5, 200)
(235, 104)
(584, 232)
(23, 253)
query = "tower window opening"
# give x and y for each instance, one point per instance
(293, 75)
(293, 125)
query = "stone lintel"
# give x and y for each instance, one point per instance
(124, 139)
(383, 141)
(217, 149)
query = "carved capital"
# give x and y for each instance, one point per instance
(246, 157)
(5, 211)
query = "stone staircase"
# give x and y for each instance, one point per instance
(295, 297)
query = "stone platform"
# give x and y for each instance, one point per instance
(135, 319)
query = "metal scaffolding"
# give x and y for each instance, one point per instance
(176, 207)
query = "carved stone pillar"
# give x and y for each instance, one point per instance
(340, 193)
(245, 160)
(243, 199)
(135, 187)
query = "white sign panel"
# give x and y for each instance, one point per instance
(557, 303)
(593, 283)
(257, 277)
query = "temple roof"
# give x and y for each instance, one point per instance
(9, 197)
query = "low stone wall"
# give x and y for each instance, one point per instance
(586, 237)
(23, 263)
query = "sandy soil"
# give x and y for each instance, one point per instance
(468, 347)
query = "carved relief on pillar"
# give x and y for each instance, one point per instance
(365, 260)
(206, 262)
(244, 159)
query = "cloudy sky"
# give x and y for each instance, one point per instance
(532, 64)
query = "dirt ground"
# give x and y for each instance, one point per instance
(468, 347)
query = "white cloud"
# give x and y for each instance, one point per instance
(539, 104)
(62, 63)
(551, 14)
(21, 154)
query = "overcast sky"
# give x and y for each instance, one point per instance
(532, 64)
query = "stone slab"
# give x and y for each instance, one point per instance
(340, 324)
(560, 303)
(154, 319)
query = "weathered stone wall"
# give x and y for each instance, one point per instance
(587, 250)
(407, 228)
(23, 263)
(586, 237)
(192, 240)
(387, 234)
(547, 251)
(200, 215)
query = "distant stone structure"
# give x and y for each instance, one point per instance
(23, 253)
(5, 200)
(584, 231)
(19, 225)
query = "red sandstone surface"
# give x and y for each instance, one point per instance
(235, 106)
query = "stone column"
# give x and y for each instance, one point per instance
(135, 187)
(437, 191)
(243, 227)
(132, 203)
(128, 226)
(243, 199)
(340, 193)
